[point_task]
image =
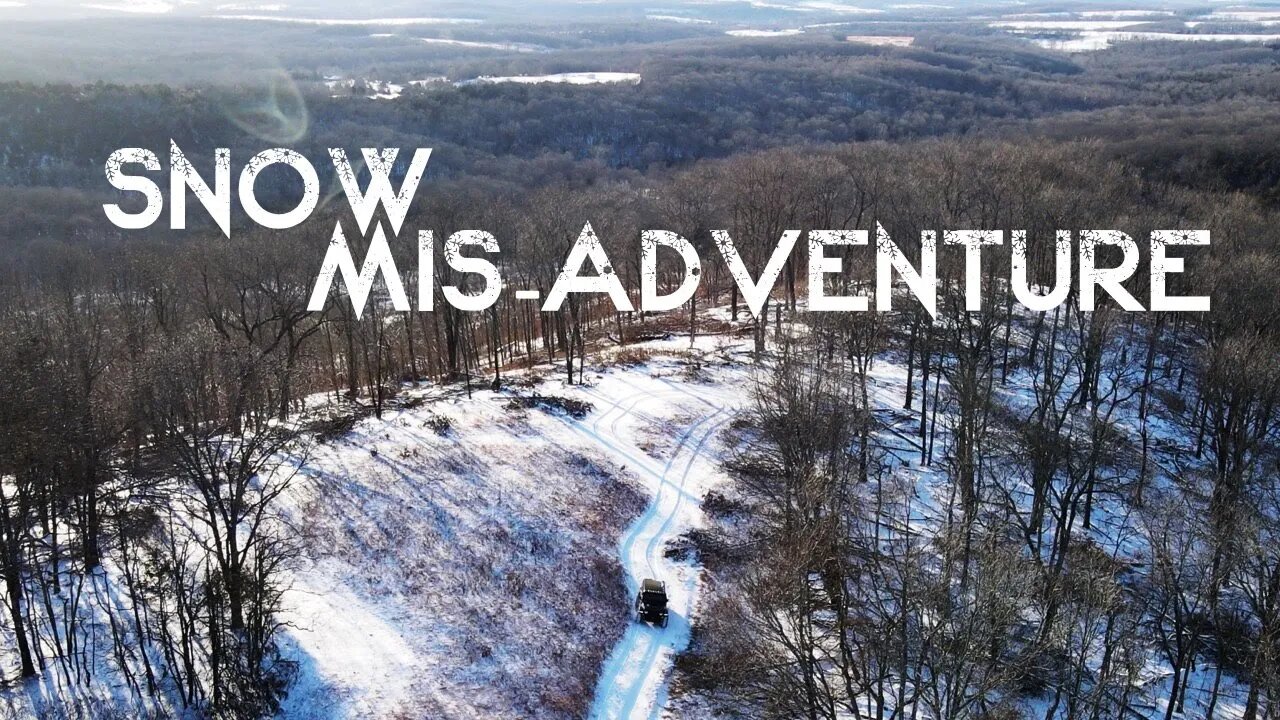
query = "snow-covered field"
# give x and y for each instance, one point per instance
(475, 555)
(1125, 13)
(481, 45)
(1092, 30)
(678, 19)
(138, 7)
(1246, 16)
(571, 78)
(384, 90)
(374, 89)
(882, 40)
(469, 557)
(474, 572)
(926, 484)
(1102, 39)
(678, 475)
(764, 33)
(342, 22)
(1062, 24)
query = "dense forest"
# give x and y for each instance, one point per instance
(155, 383)
(696, 100)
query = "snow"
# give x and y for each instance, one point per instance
(1116, 528)
(1111, 26)
(510, 47)
(1063, 24)
(140, 7)
(1084, 42)
(11, 4)
(1099, 40)
(1060, 14)
(349, 21)
(250, 7)
(1124, 13)
(1255, 16)
(809, 6)
(678, 19)
(835, 7)
(573, 78)
(882, 40)
(763, 33)
(379, 89)
(403, 607)
(429, 586)
(635, 676)
(774, 6)
(353, 660)
(1207, 37)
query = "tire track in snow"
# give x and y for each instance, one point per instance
(632, 673)
(675, 640)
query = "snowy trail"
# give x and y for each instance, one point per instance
(365, 646)
(634, 678)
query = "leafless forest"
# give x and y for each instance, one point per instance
(1091, 526)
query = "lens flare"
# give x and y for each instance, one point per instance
(271, 109)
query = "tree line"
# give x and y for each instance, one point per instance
(1050, 505)
(155, 389)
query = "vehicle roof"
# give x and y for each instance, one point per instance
(651, 585)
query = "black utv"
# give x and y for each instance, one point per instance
(651, 602)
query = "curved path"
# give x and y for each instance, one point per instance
(633, 683)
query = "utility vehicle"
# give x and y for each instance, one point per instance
(651, 602)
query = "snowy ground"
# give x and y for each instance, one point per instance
(633, 683)
(572, 78)
(764, 33)
(475, 573)
(473, 557)
(1099, 29)
(1115, 528)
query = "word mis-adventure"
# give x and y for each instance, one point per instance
(828, 249)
